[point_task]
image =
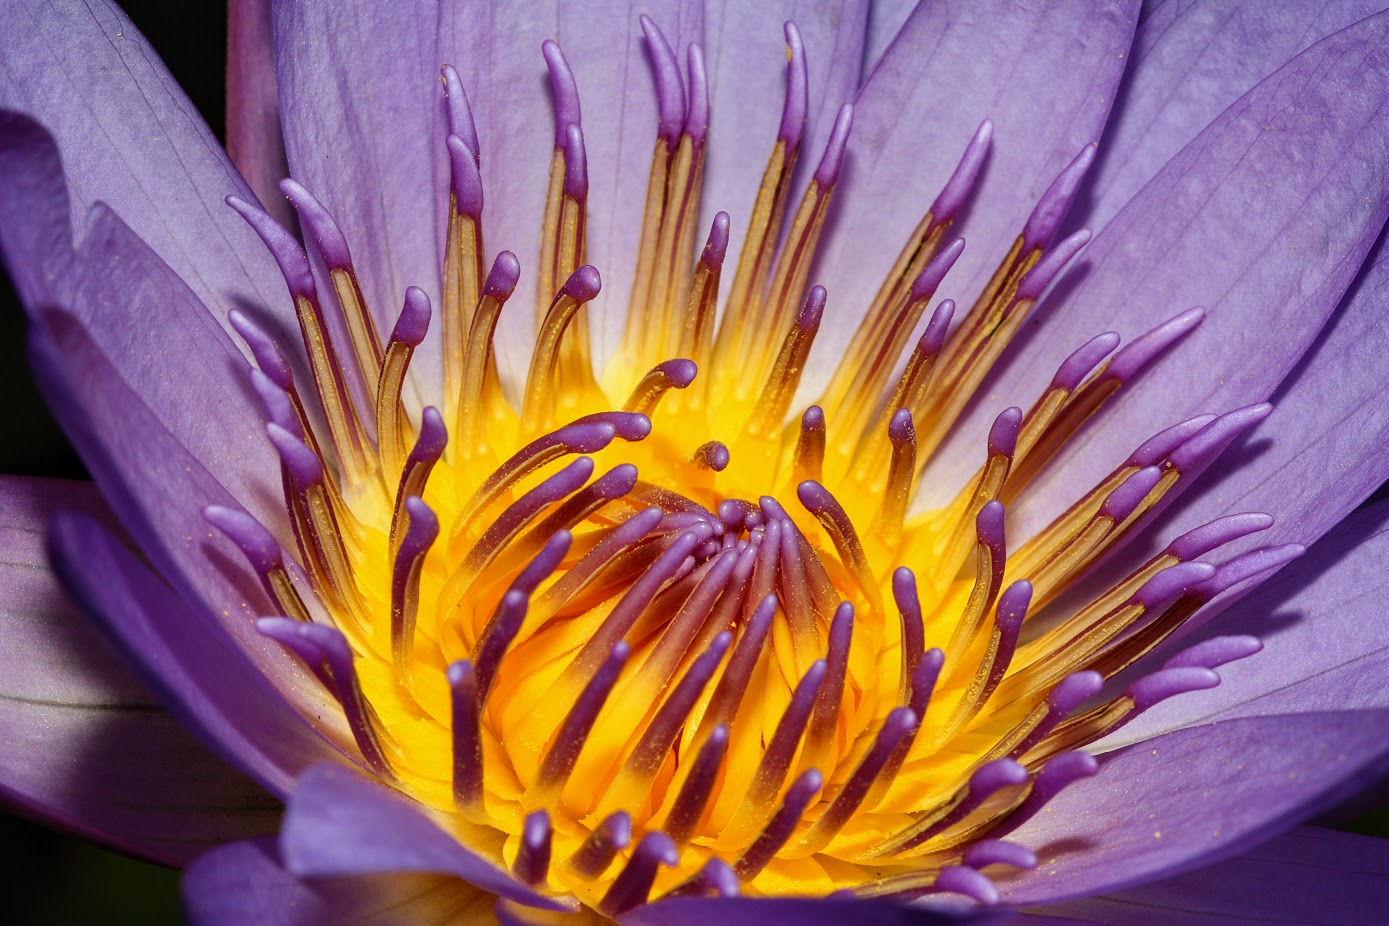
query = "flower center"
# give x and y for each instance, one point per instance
(633, 635)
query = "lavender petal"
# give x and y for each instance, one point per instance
(87, 747)
(340, 824)
(247, 882)
(192, 664)
(1322, 192)
(948, 70)
(1191, 797)
(1309, 875)
(135, 143)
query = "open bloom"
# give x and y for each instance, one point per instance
(631, 573)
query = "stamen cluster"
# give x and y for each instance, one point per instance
(677, 645)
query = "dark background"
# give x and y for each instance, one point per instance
(54, 879)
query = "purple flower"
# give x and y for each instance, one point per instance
(632, 571)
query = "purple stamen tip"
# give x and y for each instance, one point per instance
(733, 511)
(996, 775)
(617, 481)
(464, 178)
(804, 788)
(957, 879)
(459, 112)
(1013, 605)
(827, 174)
(459, 673)
(1171, 582)
(813, 419)
(1136, 355)
(503, 277)
(1003, 436)
(1076, 367)
(294, 636)
(797, 105)
(716, 247)
(305, 468)
(697, 119)
(988, 852)
(1051, 209)
(714, 455)
(720, 878)
(933, 338)
(1217, 533)
(1250, 564)
(630, 426)
(424, 528)
(900, 429)
(929, 279)
(564, 88)
(904, 589)
(1131, 492)
(587, 437)
(955, 193)
(433, 437)
(263, 348)
(1215, 652)
(988, 524)
(534, 857)
(319, 223)
(541, 565)
(1061, 771)
(583, 284)
(900, 721)
(277, 404)
(670, 92)
(283, 247)
(1156, 448)
(679, 372)
(812, 309)
(1073, 690)
(772, 508)
(257, 543)
(413, 323)
(1207, 445)
(815, 497)
(1169, 683)
(1051, 265)
(575, 163)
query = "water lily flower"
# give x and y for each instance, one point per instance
(684, 464)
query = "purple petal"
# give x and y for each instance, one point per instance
(191, 663)
(1326, 645)
(885, 20)
(339, 824)
(359, 92)
(1265, 218)
(499, 59)
(1046, 85)
(1315, 458)
(162, 343)
(1189, 62)
(1313, 876)
(247, 883)
(87, 747)
(1170, 804)
(130, 138)
(749, 911)
(254, 142)
(157, 487)
(747, 73)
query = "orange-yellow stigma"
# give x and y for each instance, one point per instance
(650, 631)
